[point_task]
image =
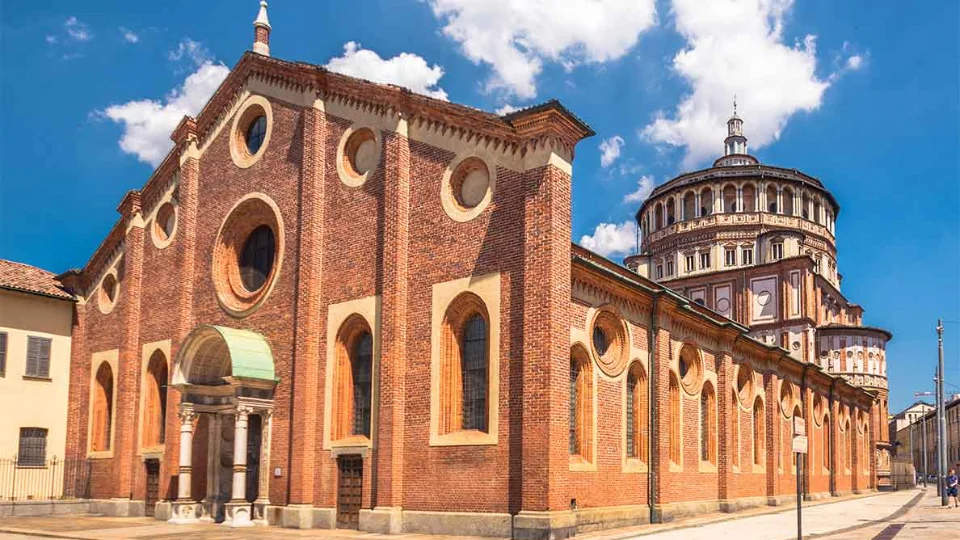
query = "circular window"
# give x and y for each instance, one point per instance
(164, 225)
(109, 289)
(251, 131)
(690, 368)
(745, 384)
(247, 254)
(610, 342)
(357, 155)
(256, 258)
(763, 298)
(786, 398)
(256, 133)
(467, 188)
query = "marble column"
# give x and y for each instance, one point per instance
(263, 492)
(238, 509)
(185, 508)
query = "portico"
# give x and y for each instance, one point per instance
(226, 381)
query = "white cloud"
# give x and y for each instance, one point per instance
(610, 239)
(507, 109)
(128, 35)
(194, 51)
(644, 187)
(515, 37)
(77, 30)
(51, 39)
(148, 123)
(736, 47)
(610, 150)
(406, 69)
(854, 62)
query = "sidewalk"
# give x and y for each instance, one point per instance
(925, 520)
(869, 514)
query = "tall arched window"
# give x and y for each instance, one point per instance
(749, 195)
(658, 216)
(689, 205)
(581, 405)
(155, 400)
(465, 361)
(102, 414)
(636, 412)
(353, 380)
(759, 444)
(674, 404)
(735, 444)
(708, 424)
(825, 440)
(771, 199)
(848, 435)
(706, 202)
(671, 211)
(787, 196)
(793, 455)
(729, 199)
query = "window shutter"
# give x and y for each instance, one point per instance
(38, 357)
(43, 363)
(3, 354)
(32, 356)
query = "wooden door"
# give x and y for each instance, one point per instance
(349, 491)
(153, 485)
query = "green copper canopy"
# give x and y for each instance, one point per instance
(250, 355)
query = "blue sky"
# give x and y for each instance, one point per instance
(861, 94)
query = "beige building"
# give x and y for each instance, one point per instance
(36, 316)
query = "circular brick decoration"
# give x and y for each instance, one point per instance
(253, 119)
(108, 293)
(467, 188)
(690, 368)
(164, 225)
(358, 155)
(609, 342)
(744, 384)
(254, 213)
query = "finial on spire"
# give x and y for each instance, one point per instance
(734, 104)
(261, 31)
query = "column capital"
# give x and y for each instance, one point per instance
(243, 411)
(186, 413)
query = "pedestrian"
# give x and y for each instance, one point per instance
(952, 482)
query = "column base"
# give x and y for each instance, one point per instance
(382, 519)
(238, 514)
(260, 512)
(184, 512)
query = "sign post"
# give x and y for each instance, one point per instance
(800, 449)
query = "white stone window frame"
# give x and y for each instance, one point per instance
(448, 199)
(112, 358)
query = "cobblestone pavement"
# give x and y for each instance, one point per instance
(871, 515)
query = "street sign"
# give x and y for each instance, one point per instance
(800, 444)
(799, 426)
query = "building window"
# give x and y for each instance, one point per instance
(464, 368)
(256, 133)
(38, 357)
(730, 257)
(581, 405)
(256, 258)
(659, 271)
(353, 380)
(736, 430)
(758, 433)
(102, 420)
(777, 251)
(708, 425)
(669, 268)
(636, 411)
(674, 404)
(747, 256)
(689, 262)
(825, 451)
(3, 354)
(155, 404)
(705, 260)
(32, 451)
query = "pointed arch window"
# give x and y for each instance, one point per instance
(353, 380)
(102, 414)
(636, 412)
(581, 405)
(759, 443)
(155, 400)
(674, 416)
(708, 424)
(465, 373)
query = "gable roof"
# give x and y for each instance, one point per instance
(21, 277)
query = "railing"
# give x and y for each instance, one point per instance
(739, 218)
(55, 479)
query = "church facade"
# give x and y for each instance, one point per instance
(341, 304)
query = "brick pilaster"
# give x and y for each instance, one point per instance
(393, 342)
(78, 401)
(772, 432)
(726, 409)
(310, 317)
(546, 338)
(128, 376)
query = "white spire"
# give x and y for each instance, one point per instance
(261, 31)
(262, 19)
(735, 145)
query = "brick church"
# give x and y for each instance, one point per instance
(342, 304)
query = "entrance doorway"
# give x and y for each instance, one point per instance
(153, 485)
(349, 491)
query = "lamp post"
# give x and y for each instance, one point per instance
(941, 424)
